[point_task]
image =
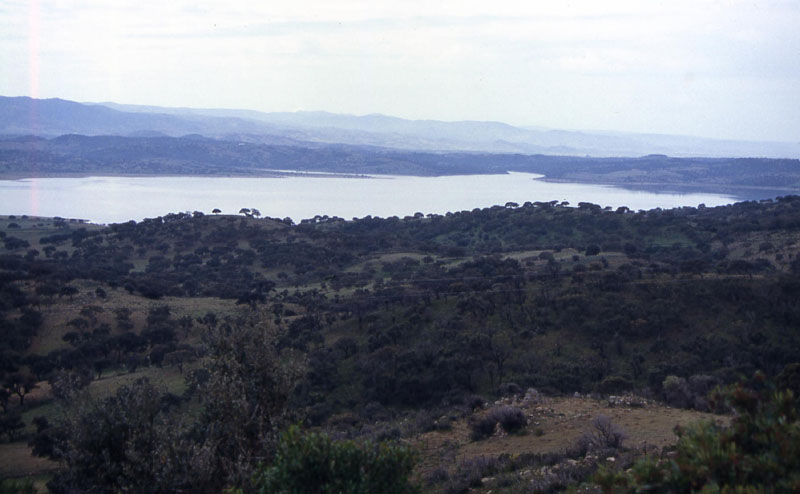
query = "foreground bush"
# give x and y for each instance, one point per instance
(10, 486)
(313, 462)
(758, 452)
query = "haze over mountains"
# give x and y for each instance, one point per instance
(54, 117)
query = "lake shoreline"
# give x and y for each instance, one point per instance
(744, 192)
(301, 195)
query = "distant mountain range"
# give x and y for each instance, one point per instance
(54, 117)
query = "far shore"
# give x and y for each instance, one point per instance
(743, 192)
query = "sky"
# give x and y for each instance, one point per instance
(723, 69)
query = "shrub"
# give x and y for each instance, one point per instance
(511, 419)
(315, 463)
(510, 389)
(437, 476)
(561, 476)
(676, 392)
(482, 427)
(470, 472)
(473, 401)
(614, 384)
(701, 385)
(789, 378)
(604, 435)
(427, 421)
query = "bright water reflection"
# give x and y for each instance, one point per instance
(119, 199)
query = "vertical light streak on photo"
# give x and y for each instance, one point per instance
(34, 54)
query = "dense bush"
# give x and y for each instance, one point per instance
(313, 462)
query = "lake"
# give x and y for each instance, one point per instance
(120, 199)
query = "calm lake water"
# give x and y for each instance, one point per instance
(119, 199)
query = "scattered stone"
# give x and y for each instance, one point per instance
(627, 401)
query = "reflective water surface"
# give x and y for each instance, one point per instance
(119, 199)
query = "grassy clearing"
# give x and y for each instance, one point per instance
(16, 461)
(554, 426)
(58, 313)
(170, 378)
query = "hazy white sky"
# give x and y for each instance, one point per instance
(728, 69)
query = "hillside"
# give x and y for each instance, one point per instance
(398, 321)
(54, 117)
(21, 157)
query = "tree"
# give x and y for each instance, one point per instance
(178, 358)
(68, 291)
(11, 424)
(133, 442)
(186, 323)
(244, 211)
(79, 323)
(128, 442)
(245, 396)
(123, 318)
(4, 396)
(255, 212)
(13, 486)
(592, 250)
(313, 462)
(20, 384)
(216, 211)
(90, 312)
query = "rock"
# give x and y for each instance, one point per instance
(532, 397)
(627, 401)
